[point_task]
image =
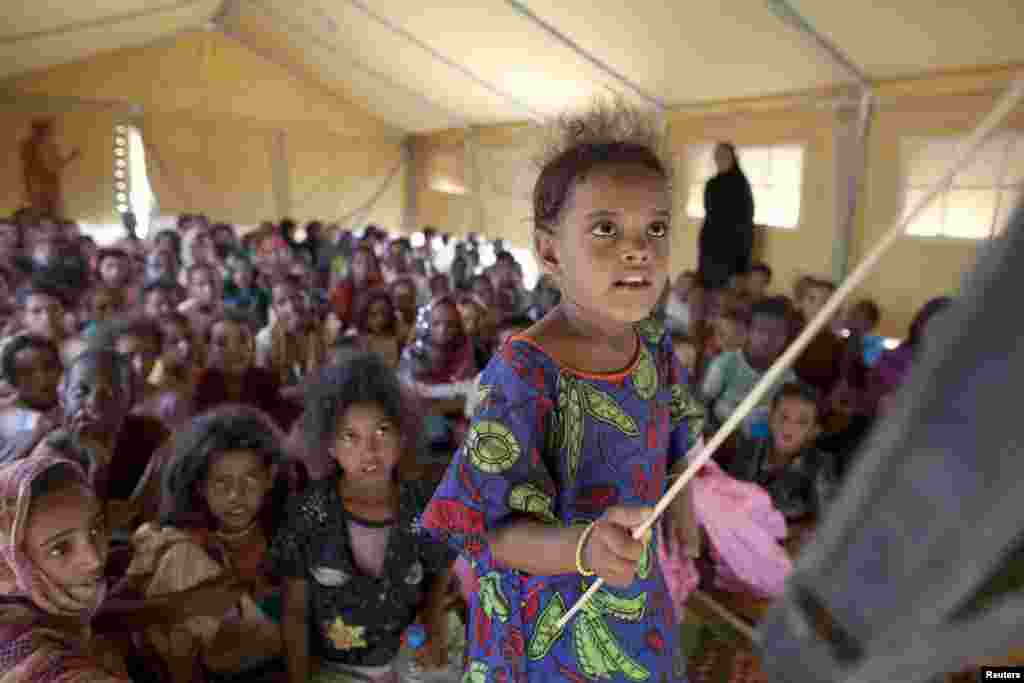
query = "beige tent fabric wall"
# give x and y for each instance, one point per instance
(916, 268)
(807, 250)
(506, 157)
(440, 159)
(202, 74)
(88, 183)
(222, 169)
(333, 177)
(495, 165)
(213, 116)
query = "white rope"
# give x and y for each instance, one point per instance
(967, 152)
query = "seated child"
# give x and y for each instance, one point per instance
(799, 477)
(204, 303)
(403, 294)
(731, 328)
(293, 346)
(231, 377)
(96, 395)
(758, 280)
(441, 365)
(175, 374)
(732, 375)
(479, 324)
(821, 362)
(846, 420)
(113, 268)
(105, 303)
(41, 307)
(686, 352)
(509, 327)
(861, 322)
(140, 340)
(243, 293)
(356, 566)
(677, 307)
(51, 574)
(31, 366)
(376, 327)
(224, 494)
(364, 275)
(160, 298)
(162, 264)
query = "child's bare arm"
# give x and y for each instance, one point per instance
(546, 550)
(434, 618)
(295, 630)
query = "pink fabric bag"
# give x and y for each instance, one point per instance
(744, 529)
(679, 571)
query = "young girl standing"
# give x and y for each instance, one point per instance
(582, 418)
(356, 565)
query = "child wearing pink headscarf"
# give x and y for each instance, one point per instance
(53, 550)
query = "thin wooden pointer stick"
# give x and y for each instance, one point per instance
(967, 151)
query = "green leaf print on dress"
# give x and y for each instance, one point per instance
(492, 600)
(645, 375)
(650, 329)
(575, 400)
(598, 652)
(546, 632)
(476, 672)
(492, 447)
(684, 406)
(483, 392)
(529, 499)
(570, 404)
(643, 566)
(604, 408)
(626, 609)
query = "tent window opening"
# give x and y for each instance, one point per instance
(978, 203)
(775, 173)
(132, 191)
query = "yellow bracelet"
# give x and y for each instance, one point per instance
(583, 571)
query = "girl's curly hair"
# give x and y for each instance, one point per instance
(609, 132)
(228, 428)
(363, 378)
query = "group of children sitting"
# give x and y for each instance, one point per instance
(212, 447)
(800, 441)
(199, 420)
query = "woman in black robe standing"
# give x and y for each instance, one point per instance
(727, 236)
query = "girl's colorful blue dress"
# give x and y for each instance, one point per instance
(561, 446)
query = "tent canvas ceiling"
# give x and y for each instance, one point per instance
(425, 66)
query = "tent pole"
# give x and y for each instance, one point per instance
(280, 174)
(858, 168)
(550, 29)
(475, 210)
(409, 192)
